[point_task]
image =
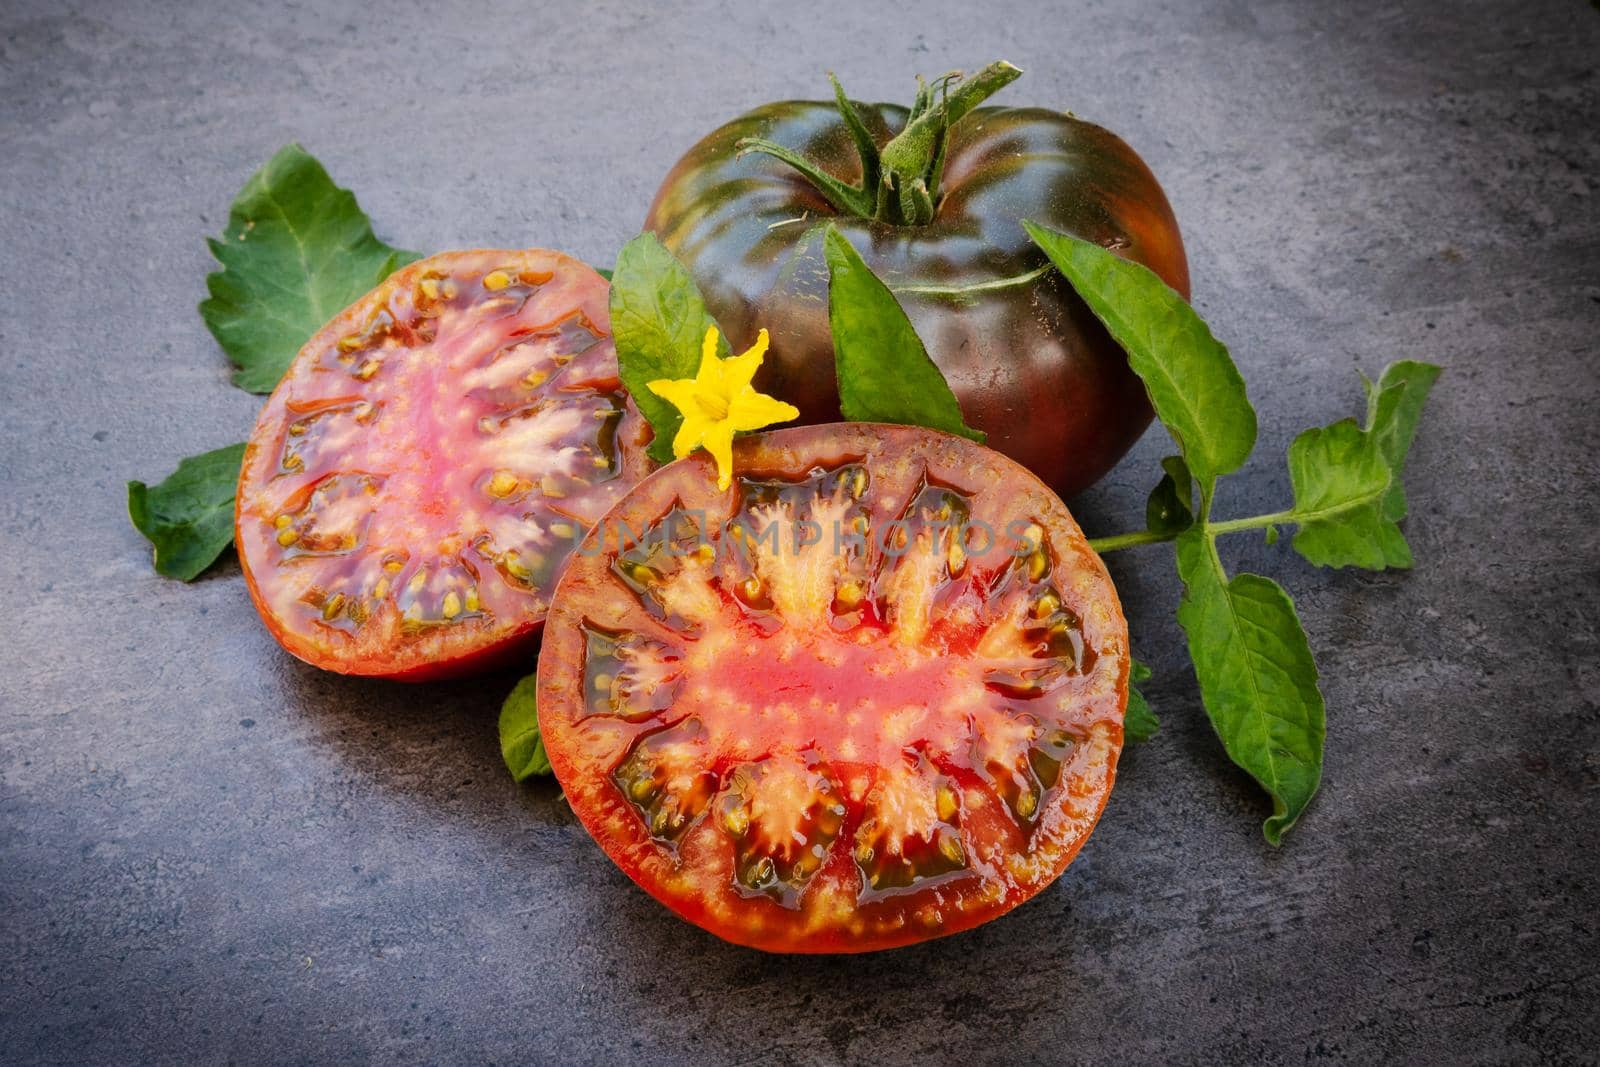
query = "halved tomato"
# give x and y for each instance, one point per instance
(429, 461)
(869, 695)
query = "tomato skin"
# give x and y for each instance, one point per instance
(515, 651)
(392, 397)
(592, 751)
(1029, 363)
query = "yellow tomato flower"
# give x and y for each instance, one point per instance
(719, 401)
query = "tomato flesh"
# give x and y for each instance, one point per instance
(430, 459)
(869, 695)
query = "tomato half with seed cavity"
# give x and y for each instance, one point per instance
(430, 459)
(869, 695)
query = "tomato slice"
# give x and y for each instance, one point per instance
(430, 459)
(869, 695)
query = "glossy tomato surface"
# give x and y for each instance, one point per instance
(430, 459)
(869, 695)
(1029, 363)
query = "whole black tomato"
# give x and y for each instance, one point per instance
(933, 198)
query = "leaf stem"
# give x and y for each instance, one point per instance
(1103, 545)
(1114, 542)
(1254, 522)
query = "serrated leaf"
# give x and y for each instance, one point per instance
(1193, 384)
(659, 321)
(188, 516)
(1340, 481)
(297, 250)
(883, 370)
(1347, 490)
(1139, 723)
(1170, 509)
(1394, 408)
(1257, 677)
(521, 745)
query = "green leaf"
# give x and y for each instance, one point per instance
(1340, 483)
(659, 322)
(603, 272)
(1257, 677)
(520, 743)
(1394, 408)
(1347, 490)
(1170, 509)
(297, 250)
(884, 372)
(1192, 381)
(1139, 723)
(188, 517)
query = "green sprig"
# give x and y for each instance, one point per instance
(1258, 679)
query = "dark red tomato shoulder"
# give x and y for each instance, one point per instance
(1028, 361)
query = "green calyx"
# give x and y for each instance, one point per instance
(899, 181)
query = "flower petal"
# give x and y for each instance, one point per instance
(738, 371)
(718, 440)
(679, 392)
(689, 436)
(709, 376)
(751, 410)
(708, 346)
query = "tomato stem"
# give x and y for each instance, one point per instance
(914, 159)
(899, 182)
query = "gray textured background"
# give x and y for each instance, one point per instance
(209, 851)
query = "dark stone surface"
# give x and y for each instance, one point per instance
(209, 851)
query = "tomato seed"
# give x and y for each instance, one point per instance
(503, 484)
(950, 848)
